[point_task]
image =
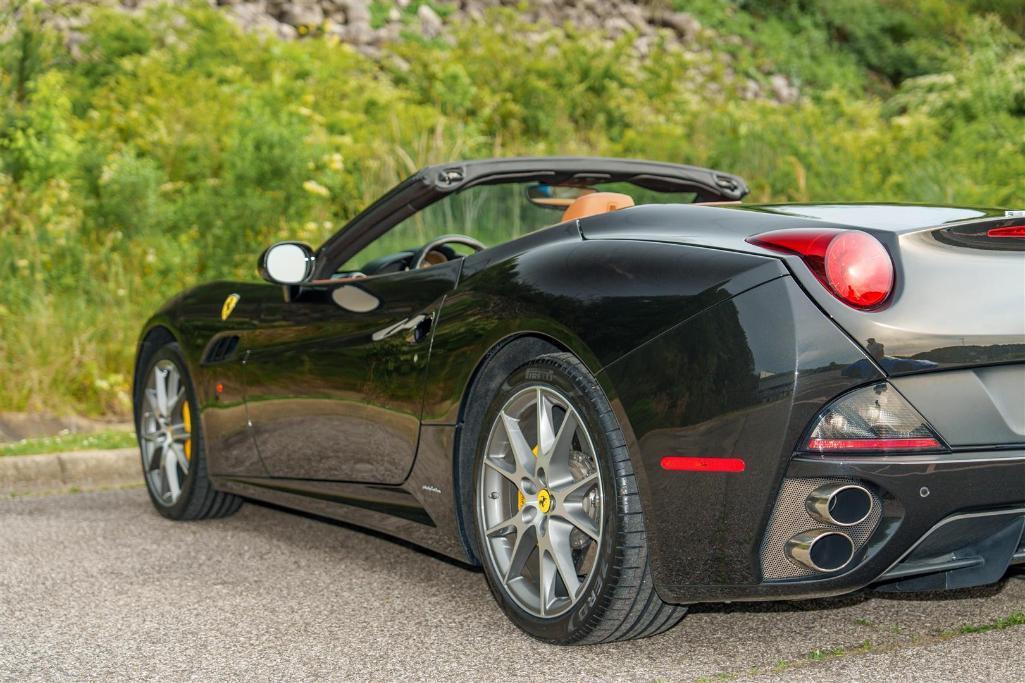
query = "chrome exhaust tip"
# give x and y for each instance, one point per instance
(820, 550)
(840, 504)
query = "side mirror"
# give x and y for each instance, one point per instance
(287, 263)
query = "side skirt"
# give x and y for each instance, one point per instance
(387, 509)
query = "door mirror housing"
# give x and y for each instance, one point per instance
(287, 263)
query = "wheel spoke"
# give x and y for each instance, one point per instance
(547, 571)
(562, 553)
(545, 425)
(494, 464)
(573, 512)
(171, 474)
(176, 398)
(157, 481)
(156, 458)
(161, 388)
(179, 454)
(565, 492)
(556, 459)
(173, 389)
(522, 452)
(512, 522)
(522, 547)
(151, 436)
(178, 432)
(151, 398)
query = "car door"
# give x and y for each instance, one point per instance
(335, 375)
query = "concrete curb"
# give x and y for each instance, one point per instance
(57, 472)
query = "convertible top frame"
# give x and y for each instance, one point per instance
(433, 183)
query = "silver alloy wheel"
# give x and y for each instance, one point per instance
(540, 500)
(166, 432)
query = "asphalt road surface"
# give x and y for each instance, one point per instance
(98, 586)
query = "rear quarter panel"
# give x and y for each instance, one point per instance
(742, 380)
(599, 299)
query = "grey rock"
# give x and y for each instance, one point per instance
(784, 91)
(285, 32)
(74, 42)
(357, 11)
(617, 26)
(389, 33)
(651, 21)
(683, 24)
(431, 25)
(253, 17)
(358, 34)
(750, 90)
(302, 14)
(370, 51)
(637, 18)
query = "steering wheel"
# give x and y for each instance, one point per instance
(418, 258)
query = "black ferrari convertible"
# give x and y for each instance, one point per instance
(616, 389)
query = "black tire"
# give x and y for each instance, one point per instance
(619, 601)
(199, 499)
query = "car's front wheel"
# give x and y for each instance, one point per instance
(559, 524)
(171, 442)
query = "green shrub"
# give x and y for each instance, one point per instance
(174, 147)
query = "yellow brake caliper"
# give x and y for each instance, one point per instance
(187, 421)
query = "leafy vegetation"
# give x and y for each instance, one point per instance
(170, 148)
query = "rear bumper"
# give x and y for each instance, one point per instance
(969, 549)
(948, 521)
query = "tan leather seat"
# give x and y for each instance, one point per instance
(596, 203)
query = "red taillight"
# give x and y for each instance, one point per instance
(846, 445)
(1007, 231)
(691, 464)
(852, 264)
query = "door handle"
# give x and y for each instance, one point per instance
(423, 328)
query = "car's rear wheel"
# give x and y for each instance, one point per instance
(559, 526)
(171, 442)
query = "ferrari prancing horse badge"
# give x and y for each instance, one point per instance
(229, 305)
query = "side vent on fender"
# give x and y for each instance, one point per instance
(221, 349)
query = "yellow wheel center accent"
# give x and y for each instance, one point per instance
(187, 421)
(544, 500)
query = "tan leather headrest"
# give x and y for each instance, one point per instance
(596, 203)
